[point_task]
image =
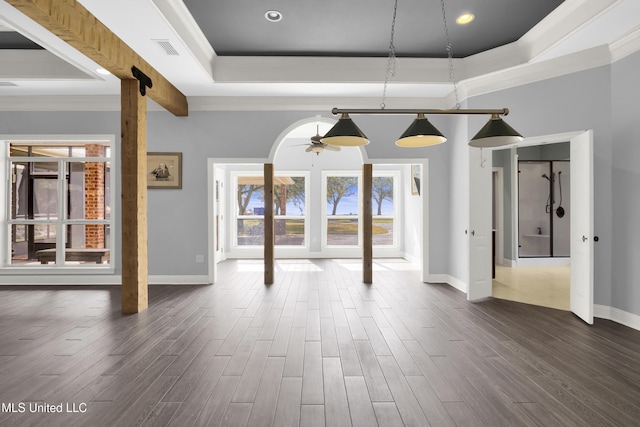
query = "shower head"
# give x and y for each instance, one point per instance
(544, 175)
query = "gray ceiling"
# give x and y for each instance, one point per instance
(363, 27)
(13, 40)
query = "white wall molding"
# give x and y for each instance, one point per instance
(179, 279)
(616, 315)
(60, 280)
(625, 46)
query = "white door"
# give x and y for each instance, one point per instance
(581, 299)
(479, 232)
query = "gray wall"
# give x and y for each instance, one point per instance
(178, 218)
(625, 280)
(579, 101)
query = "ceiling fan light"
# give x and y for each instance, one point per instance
(345, 133)
(421, 133)
(495, 133)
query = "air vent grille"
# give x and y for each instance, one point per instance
(167, 47)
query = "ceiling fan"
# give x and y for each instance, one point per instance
(317, 146)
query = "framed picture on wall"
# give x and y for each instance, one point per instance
(415, 180)
(164, 170)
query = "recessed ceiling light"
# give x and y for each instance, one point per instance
(102, 71)
(465, 18)
(273, 15)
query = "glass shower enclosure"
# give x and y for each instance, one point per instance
(543, 208)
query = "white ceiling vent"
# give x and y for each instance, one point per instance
(167, 47)
(5, 84)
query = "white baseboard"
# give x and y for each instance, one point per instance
(179, 280)
(94, 280)
(449, 280)
(60, 280)
(408, 257)
(616, 315)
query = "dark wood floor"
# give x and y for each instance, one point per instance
(317, 348)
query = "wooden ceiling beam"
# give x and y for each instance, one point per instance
(74, 24)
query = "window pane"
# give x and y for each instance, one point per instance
(382, 231)
(88, 190)
(45, 198)
(19, 246)
(87, 244)
(250, 195)
(289, 232)
(19, 188)
(342, 195)
(250, 232)
(382, 195)
(27, 242)
(342, 232)
(44, 168)
(289, 196)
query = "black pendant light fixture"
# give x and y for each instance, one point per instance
(495, 133)
(345, 133)
(421, 133)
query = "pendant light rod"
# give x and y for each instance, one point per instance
(335, 111)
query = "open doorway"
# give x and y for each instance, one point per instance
(582, 239)
(535, 266)
(314, 222)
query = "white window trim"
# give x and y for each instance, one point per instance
(5, 194)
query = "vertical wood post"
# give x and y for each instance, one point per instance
(367, 223)
(268, 224)
(134, 198)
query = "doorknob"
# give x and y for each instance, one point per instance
(584, 238)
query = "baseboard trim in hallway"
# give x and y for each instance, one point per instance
(616, 315)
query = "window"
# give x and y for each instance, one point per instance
(290, 201)
(342, 210)
(289, 197)
(249, 191)
(59, 210)
(383, 210)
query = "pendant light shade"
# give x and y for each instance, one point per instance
(495, 134)
(345, 133)
(421, 133)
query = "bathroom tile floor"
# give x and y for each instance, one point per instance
(543, 286)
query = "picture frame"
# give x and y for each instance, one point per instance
(164, 170)
(416, 176)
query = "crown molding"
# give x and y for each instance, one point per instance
(569, 17)
(37, 64)
(63, 103)
(626, 45)
(534, 72)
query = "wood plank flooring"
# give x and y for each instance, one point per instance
(317, 348)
